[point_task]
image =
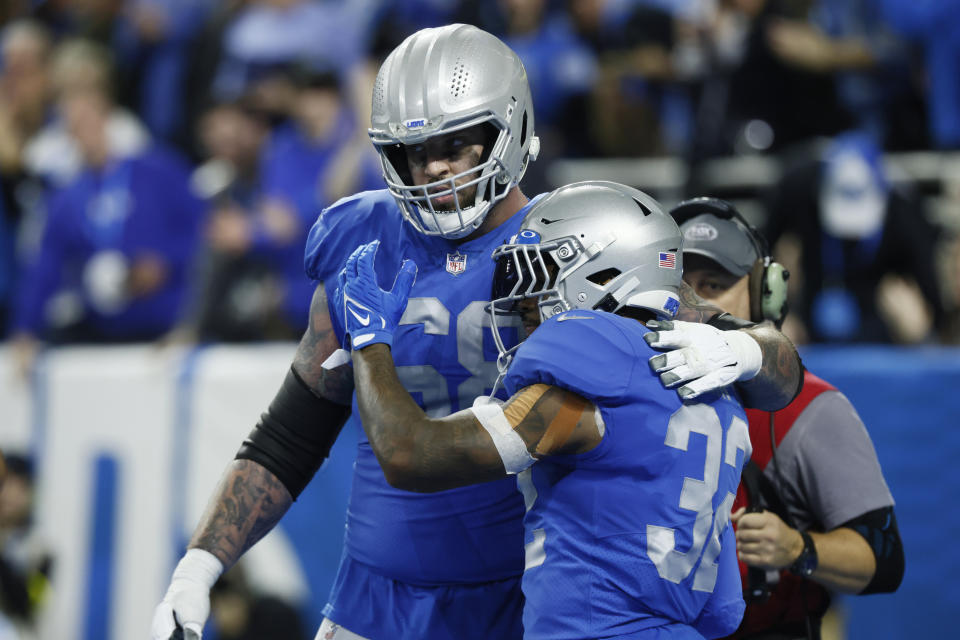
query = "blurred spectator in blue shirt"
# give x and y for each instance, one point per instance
(558, 64)
(52, 157)
(7, 266)
(153, 41)
(307, 165)
(117, 242)
(935, 24)
(24, 60)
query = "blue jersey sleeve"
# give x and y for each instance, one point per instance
(341, 228)
(345, 225)
(582, 351)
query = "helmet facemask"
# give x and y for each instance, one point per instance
(528, 269)
(417, 202)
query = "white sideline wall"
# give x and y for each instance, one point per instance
(153, 429)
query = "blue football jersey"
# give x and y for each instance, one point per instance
(445, 357)
(635, 533)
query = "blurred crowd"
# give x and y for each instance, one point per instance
(161, 161)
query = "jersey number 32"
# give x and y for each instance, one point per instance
(698, 496)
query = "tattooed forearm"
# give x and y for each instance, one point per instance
(317, 344)
(693, 308)
(247, 504)
(418, 453)
(781, 374)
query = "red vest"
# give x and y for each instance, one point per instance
(792, 597)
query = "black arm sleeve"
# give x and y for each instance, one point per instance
(879, 529)
(294, 436)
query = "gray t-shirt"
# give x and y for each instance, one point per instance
(828, 466)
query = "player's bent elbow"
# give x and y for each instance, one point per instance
(399, 447)
(397, 473)
(397, 464)
(403, 472)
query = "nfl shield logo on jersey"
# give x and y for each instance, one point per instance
(456, 263)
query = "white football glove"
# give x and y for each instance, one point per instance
(186, 605)
(702, 356)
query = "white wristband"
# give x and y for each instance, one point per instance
(509, 444)
(749, 355)
(200, 566)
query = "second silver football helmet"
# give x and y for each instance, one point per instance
(443, 80)
(590, 245)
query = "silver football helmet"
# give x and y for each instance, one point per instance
(443, 80)
(589, 245)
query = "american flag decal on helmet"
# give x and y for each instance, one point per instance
(668, 260)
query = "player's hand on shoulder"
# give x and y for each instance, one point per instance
(186, 605)
(371, 314)
(701, 357)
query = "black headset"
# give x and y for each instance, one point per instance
(768, 279)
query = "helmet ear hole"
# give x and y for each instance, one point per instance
(490, 134)
(601, 278)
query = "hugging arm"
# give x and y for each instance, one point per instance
(768, 375)
(419, 453)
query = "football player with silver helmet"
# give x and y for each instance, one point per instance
(599, 445)
(454, 127)
(592, 245)
(454, 92)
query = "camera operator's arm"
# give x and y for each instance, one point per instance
(272, 467)
(711, 349)
(828, 469)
